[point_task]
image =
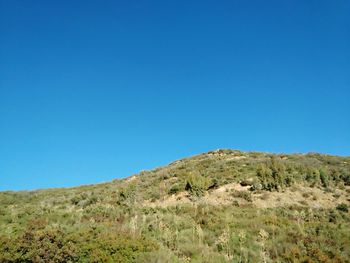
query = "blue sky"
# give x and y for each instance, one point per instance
(96, 90)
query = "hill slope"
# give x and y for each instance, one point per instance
(221, 206)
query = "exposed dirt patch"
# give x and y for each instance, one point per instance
(175, 199)
(131, 178)
(228, 187)
(301, 196)
(236, 158)
(236, 194)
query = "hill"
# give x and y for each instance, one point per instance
(220, 206)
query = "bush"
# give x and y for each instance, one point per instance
(247, 182)
(197, 184)
(83, 246)
(324, 178)
(343, 207)
(242, 194)
(175, 189)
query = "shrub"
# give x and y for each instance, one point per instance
(54, 245)
(242, 194)
(306, 194)
(343, 207)
(197, 184)
(175, 189)
(346, 177)
(324, 178)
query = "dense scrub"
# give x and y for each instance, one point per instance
(113, 222)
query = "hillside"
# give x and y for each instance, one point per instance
(220, 206)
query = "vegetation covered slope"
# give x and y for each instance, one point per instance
(221, 206)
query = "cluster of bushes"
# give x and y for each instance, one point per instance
(84, 199)
(275, 175)
(182, 233)
(113, 223)
(269, 172)
(47, 244)
(195, 184)
(242, 194)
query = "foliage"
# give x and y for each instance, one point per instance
(343, 207)
(128, 221)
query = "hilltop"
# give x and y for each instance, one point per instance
(220, 206)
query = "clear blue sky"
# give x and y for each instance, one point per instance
(96, 90)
